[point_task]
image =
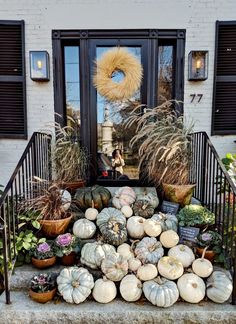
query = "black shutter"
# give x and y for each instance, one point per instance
(12, 80)
(224, 98)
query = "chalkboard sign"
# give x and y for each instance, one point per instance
(188, 234)
(168, 207)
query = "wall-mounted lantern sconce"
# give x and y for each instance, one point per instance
(39, 66)
(198, 65)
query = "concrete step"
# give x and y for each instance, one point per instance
(25, 311)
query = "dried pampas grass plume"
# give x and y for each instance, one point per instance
(117, 59)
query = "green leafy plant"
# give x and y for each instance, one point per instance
(230, 165)
(194, 215)
(43, 282)
(65, 244)
(43, 251)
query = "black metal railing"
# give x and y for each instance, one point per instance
(35, 161)
(217, 191)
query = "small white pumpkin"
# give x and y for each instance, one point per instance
(152, 227)
(131, 288)
(126, 251)
(147, 272)
(115, 267)
(169, 239)
(134, 264)
(84, 228)
(219, 287)
(91, 214)
(161, 292)
(202, 267)
(124, 196)
(104, 290)
(127, 211)
(170, 268)
(135, 227)
(65, 199)
(75, 284)
(183, 253)
(149, 250)
(191, 288)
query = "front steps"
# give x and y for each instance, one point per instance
(25, 311)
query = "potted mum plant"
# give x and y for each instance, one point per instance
(213, 242)
(43, 287)
(164, 146)
(66, 248)
(43, 256)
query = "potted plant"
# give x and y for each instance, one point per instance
(70, 158)
(66, 248)
(213, 241)
(43, 256)
(164, 146)
(43, 287)
(196, 216)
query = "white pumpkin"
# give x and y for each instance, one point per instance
(84, 228)
(65, 198)
(149, 250)
(91, 214)
(131, 288)
(127, 211)
(152, 227)
(134, 264)
(170, 268)
(183, 253)
(126, 251)
(202, 267)
(191, 288)
(75, 284)
(135, 227)
(124, 196)
(147, 272)
(115, 267)
(219, 287)
(169, 239)
(161, 292)
(104, 290)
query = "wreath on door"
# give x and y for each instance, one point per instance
(117, 60)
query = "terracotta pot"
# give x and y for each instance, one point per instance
(52, 228)
(42, 264)
(209, 255)
(69, 260)
(72, 186)
(42, 297)
(181, 194)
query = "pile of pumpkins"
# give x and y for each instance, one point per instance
(138, 252)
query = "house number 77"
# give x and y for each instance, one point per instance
(196, 97)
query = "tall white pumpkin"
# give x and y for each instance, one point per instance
(191, 288)
(104, 290)
(84, 228)
(135, 227)
(131, 288)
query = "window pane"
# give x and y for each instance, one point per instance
(165, 73)
(112, 133)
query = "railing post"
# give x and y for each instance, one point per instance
(203, 173)
(3, 229)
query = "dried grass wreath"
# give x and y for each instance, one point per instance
(114, 60)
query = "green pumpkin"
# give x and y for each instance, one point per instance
(143, 208)
(112, 224)
(167, 221)
(96, 196)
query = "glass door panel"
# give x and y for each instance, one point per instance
(165, 73)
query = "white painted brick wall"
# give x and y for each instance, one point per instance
(196, 16)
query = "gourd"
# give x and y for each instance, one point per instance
(95, 196)
(115, 267)
(126, 251)
(161, 292)
(127, 211)
(219, 287)
(134, 264)
(202, 267)
(75, 284)
(143, 208)
(104, 290)
(151, 198)
(84, 228)
(135, 227)
(124, 196)
(170, 268)
(92, 254)
(91, 213)
(183, 253)
(149, 250)
(167, 221)
(147, 272)
(65, 199)
(169, 239)
(152, 227)
(191, 288)
(112, 224)
(131, 288)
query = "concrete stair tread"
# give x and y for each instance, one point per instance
(24, 310)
